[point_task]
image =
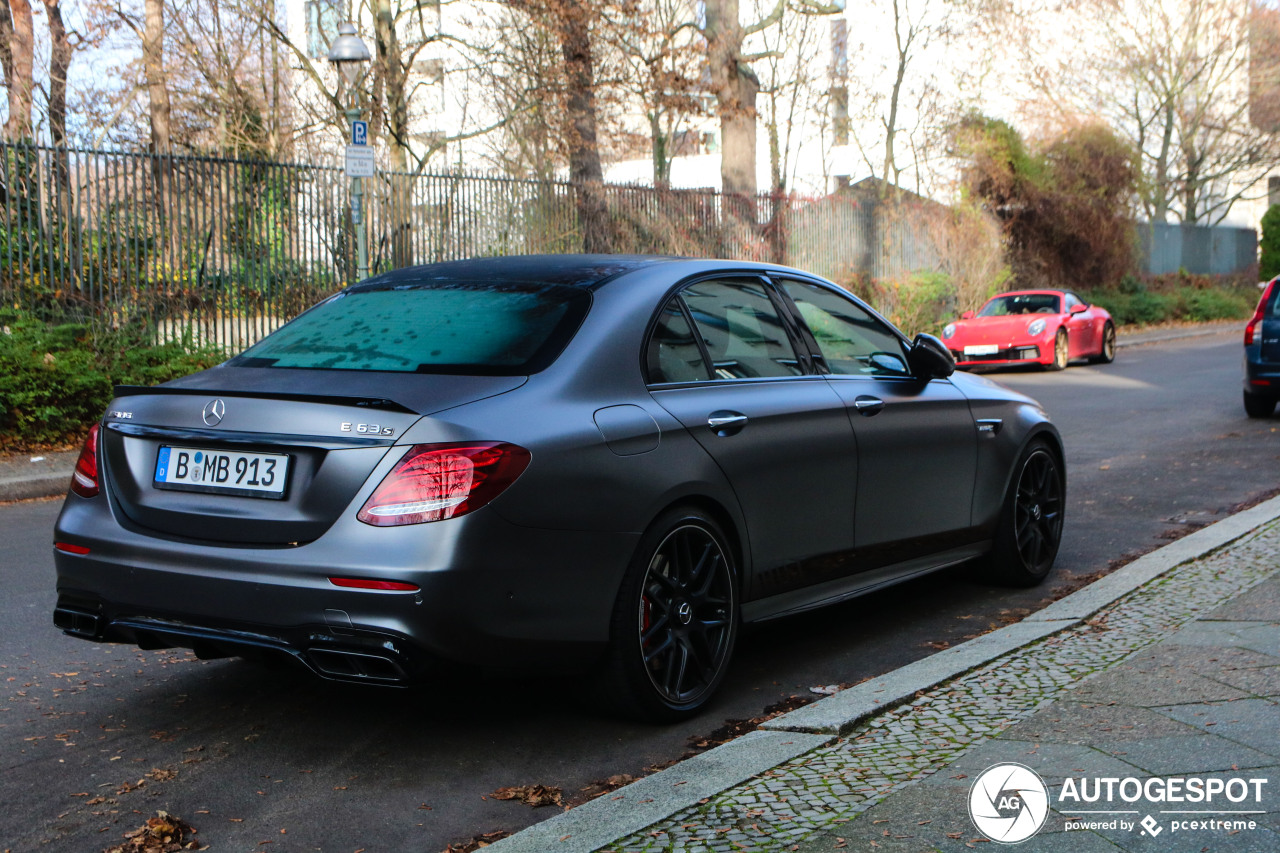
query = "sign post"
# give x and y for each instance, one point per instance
(359, 164)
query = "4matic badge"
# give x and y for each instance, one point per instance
(1008, 803)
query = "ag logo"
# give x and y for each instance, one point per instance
(1008, 803)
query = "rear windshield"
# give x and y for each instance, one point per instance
(484, 328)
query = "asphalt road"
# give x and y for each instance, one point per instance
(95, 738)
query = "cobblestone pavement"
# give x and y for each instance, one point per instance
(825, 788)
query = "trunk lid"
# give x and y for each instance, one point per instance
(262, 465)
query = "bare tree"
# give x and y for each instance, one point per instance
(662, 57)
(735, 84)
(1174, 79)
(157, 84)
(17, 33)
(794, 92)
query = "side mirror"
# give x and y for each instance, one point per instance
(1078, 308)
(930, 358)
(968, 315)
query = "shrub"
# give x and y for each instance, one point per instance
(1188, 298)
(1269, 244)
(56, 379)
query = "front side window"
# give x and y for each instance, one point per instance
(850, 340)
(741, 330)
(477, 328)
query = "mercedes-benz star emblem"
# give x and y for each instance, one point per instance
(214, 410)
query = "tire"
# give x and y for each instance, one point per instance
(1107, 354)
(1030, 527)
(675, 620)
(1061, 351)
(1256, 406)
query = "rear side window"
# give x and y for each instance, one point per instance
(673, 353)
(469, 328)
(741, 330)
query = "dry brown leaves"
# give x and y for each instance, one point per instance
(163, 833)
(474, 844)
(530, 795)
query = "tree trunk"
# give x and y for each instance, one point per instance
(18, 70)
(161, 134)
(735, 87)
(157, 83)
(585, 171)
(1161, 195)
(59, 62)
(391, 62)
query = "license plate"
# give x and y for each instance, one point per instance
(224, 472)
(982, 349)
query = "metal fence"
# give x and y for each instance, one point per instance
(1206, 250)
(219, 250)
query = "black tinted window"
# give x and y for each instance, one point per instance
(478, 328)
(741, 330)
(673, 353)
(851, 340)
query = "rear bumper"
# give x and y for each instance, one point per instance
(1261, 378)
(487, 593)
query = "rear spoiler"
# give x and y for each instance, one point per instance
(334, 400)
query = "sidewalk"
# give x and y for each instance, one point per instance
(1167, 669)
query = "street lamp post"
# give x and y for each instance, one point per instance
(349, 55)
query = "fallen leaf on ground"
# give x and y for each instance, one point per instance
(473, 844)
(530, 795)
(163, 833)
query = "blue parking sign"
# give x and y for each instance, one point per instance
(359, 133)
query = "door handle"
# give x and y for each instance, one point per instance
(868, 406)
(726, 423)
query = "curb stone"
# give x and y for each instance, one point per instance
(613, 817)
(648, 800)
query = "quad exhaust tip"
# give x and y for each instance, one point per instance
(357, 666)
(78, 623)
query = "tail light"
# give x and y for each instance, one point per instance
(438, 481)
(84, 480)
(1251, 330)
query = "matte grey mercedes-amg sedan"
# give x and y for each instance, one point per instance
(604, 460)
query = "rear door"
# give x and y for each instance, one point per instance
(917, 441)
(722, 361)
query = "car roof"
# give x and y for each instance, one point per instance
(1029, 293)
(571, 270)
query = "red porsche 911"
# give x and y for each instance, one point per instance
(1045, 327)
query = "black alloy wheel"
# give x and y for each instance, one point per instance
(1107, 354)
(1061, 351)
(1031, 521)
(676, 620)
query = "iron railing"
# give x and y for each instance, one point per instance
(217, 250)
